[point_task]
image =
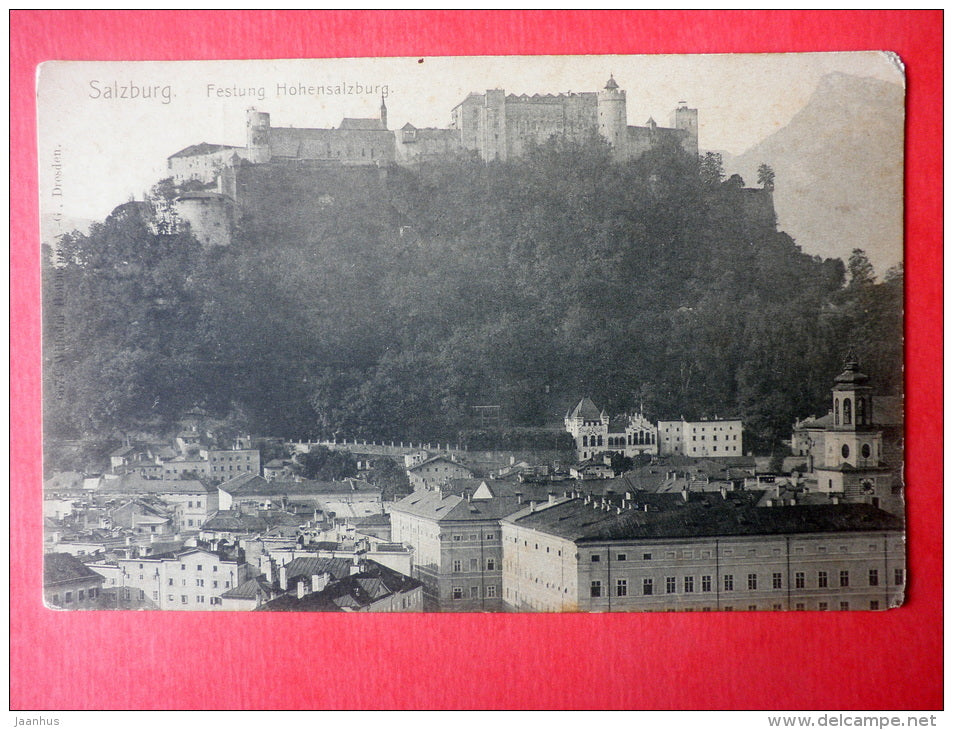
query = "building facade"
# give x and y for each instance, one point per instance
(457, 548)
(68, 584)
(702, 439)
(595, 433)
(589, 555)
(191, 580)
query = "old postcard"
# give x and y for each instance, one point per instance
(589, 333)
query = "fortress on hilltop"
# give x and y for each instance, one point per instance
(494, 125)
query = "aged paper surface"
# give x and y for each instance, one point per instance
(593, 333)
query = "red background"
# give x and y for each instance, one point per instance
(833, 661)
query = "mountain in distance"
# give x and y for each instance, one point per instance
(839, 170)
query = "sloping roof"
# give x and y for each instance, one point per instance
(136, 484)
(451, 508)
(704, 515)
(202, 148)
(378, 520)
(362, 124)
(307, 567)
(254, 485)
(586, 410)
(250, 589)
(235, 521)
(63, 567)
(354, 592)
(439, 457)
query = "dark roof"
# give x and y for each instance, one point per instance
(703, 515)
(586, 410)
(611, 83)
(203, 148)
(250, 589)
(851, 377)
(235, 521)
(354, 592)
(306, 567)
(63, 568)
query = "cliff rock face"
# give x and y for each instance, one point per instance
(839, 167)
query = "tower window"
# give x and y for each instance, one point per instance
(847, 411)
(845, 451)
(865, 449)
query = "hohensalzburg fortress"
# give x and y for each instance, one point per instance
(494, 125)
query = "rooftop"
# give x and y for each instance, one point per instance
(63, 567)
(703, 515)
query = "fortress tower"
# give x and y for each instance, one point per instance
(613, 125)
(258, 125)
(686, 119)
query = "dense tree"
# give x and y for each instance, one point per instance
(391, 304)
(326, 464)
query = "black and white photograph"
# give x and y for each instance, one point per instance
(473, 334)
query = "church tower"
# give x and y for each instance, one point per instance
(383, 113)
(613, 125)
(853, 445)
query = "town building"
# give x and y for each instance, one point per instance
(701, 439)
(193, 579)
(69, 584)
(701, 552)
(595, 433)
(191, 500)
(348, 499)
(457, 547)
(436, 471)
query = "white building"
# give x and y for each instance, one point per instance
(595, 433)
(703, 439)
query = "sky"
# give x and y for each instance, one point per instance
(97, 150)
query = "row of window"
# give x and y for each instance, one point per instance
(491, 564)
(214, 600)
(457, 592)
(473, 536)
(707, 553)
(777, 582)
(82, 594)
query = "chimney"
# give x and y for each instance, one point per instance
(645, 508)
(685, 493)
(628, 496)
(724, 492)
(769, 503)
(283, 578)
(319, 582)
(301, 588)
(552, 497)
(267, 567)
(519, 498)
(585, 499)
(835, 499)
(532, 505)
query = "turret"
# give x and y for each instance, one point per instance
(383, 113)
(613, 126)
(687, 120)
(258, 126)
